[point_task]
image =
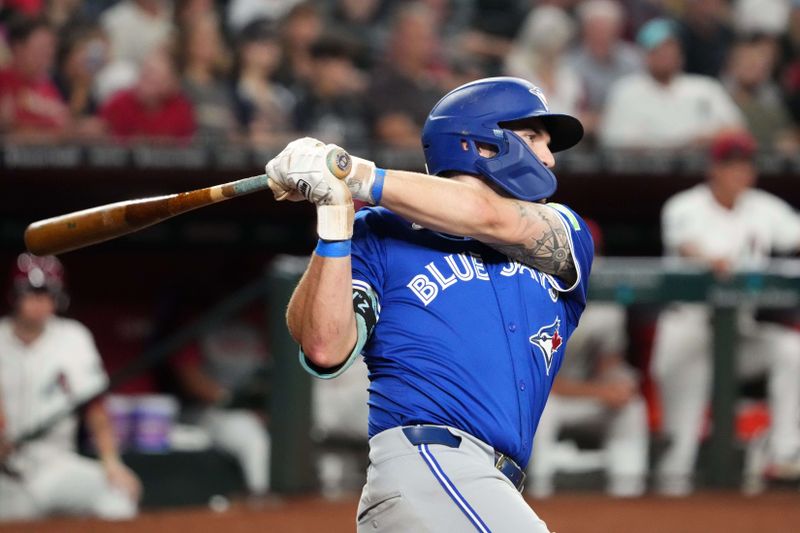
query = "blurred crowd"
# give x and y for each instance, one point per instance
(662, 74)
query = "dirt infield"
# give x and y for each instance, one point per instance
(777, 512)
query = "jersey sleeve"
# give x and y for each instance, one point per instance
(368, 266)
(368, 252)
(582, 249)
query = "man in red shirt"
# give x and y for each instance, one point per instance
(29, 101)
(156, 107)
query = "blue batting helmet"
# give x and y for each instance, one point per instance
(478, 112)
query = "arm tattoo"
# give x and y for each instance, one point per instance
(547, 245)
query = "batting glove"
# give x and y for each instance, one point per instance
(308, 169)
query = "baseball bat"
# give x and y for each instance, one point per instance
(91, 226)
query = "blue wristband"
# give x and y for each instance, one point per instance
(333, 248)
(377, 186)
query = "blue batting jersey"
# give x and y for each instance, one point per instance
(465, 337)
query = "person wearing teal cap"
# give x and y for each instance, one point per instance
(662, 107)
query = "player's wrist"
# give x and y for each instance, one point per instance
(329, 248)
(365, 181)
(376, 190)
(335, 222)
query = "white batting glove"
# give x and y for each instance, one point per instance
(305, 169)
(361, 180)
(301, 171)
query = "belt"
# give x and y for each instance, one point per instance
(417, 435)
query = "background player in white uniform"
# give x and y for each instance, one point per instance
(47, 365)
(728, 224)
(339, 411)
(215, 374)
(596, 388)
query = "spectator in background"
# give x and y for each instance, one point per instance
(49, 366)
(538, 56)
(726, 224)
(601, 57)
(137, 27)
(453, 17)
(359, 21)
(62, 14)
(242, 13)
(264, 107)
(5, 53)
(332, 106)
(663, 108)
(30, 103)
(706, 36)
(217, 375)
(83, 53)
(752, 17)
(300, 29)
(748, 80)
(789, 42)
(488, 39)
(790, 63)
(596, 388)
(404, 88)
(186, 11)
(639, 12)
(204, 62)
(156, 108)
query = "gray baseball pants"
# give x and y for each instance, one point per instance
(436, 488)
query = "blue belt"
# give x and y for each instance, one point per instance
(417, 435)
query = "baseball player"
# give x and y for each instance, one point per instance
(47, 366)
(727, 224)
(462, 340)
(212, 373)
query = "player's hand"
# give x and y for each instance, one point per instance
(303, 170)
(123, 478)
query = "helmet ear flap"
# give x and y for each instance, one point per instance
(518, 171)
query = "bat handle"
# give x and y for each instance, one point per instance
(339, 162)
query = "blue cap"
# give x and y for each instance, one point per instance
(656, 32)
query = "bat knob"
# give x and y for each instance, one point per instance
(339, 163)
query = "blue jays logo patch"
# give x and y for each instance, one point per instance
(548, 340)
(538, 92)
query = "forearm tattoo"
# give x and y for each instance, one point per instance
(547, 249)
(360, 181)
